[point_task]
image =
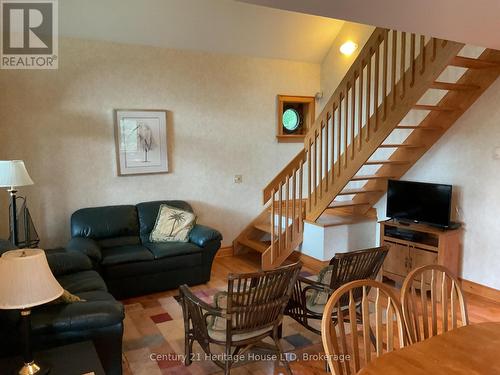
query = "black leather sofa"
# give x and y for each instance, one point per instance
(99, 318)
(116, 239)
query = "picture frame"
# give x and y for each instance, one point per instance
(141, 141)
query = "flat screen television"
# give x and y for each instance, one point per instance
(419, 202)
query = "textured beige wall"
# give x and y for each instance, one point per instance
(221, 122)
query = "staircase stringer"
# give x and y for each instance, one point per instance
(440, 122)
(327, 190)
(322, 184)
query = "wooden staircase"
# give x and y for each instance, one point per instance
(387, 80)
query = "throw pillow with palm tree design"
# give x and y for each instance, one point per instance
(172, 224)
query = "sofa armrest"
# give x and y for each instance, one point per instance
(202, 235)
(86, 246)
(65, 263)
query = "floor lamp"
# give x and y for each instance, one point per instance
(13, 174)
(26, 281)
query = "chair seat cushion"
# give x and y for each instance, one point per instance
(171, 249)
(220, 335)
(315, 297)
(125, 254)
(217, 325)
(84, 281)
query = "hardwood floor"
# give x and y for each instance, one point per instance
(480, 310)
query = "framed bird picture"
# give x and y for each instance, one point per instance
(141, 141)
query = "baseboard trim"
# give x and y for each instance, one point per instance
(226, 251)
(480, 290)
(314, 264)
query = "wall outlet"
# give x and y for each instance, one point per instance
(238, 179)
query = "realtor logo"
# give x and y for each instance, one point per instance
(29, 37)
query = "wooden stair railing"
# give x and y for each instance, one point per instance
(392, 72)
(390, 75)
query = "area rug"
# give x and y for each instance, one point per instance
(154, 337)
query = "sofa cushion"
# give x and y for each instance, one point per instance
(84, 281)
(6, 246)
(148, 212)
(100, 223)
(64, 263)
(154, 267)
(125, 254)
(99, 310)
(171, 249)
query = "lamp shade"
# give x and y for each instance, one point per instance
(13, 173)
(26, 280)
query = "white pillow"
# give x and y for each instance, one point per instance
(172, 225)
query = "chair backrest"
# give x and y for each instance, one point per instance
(258, 300)
(426, 317)
(356, 265)
(379, 315)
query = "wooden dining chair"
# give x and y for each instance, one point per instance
(431, 299)
(348, 342)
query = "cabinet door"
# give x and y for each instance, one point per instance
(396, 260)
(421, 257)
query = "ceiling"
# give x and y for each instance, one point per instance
(222, 26)
(469, 21)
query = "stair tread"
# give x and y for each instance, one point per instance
(418, 127)
(453, 86)
(337, 204)
(264, 227)
(359, 191)
(396, 145)
(376, 162)
(254, 244)
(332, 220)
(470, 63)
(370, 177)
(427, 107)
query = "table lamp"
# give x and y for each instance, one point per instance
(13, 173)
(27, 281)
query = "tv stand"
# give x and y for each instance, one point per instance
(413, 245)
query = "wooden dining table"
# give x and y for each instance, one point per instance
(468, 350)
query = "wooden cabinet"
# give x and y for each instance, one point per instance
(415, 245)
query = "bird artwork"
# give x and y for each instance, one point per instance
(145, 139)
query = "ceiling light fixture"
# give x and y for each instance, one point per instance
(348, 48)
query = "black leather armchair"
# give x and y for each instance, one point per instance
(99, 318)
(116, 239)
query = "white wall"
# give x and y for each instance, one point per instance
(222, 122)
(464, 157)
